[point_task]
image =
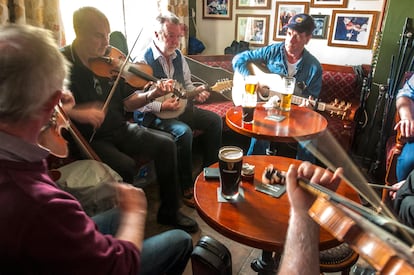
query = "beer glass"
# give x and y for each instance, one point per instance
(230, 166)
(249, 98)
(286, 93)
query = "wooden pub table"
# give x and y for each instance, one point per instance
(256, 219)
(299, 123)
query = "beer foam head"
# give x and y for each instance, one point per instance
(230, 154)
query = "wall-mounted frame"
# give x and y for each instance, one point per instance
(257, 4)
(352, 29)
(283, 12)
(329, 3)
(252, 28)
(321, 26)
(217, 9)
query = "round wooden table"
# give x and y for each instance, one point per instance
(256, 219)
(299, 124)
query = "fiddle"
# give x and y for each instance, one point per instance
(109, 65)
(366, 233)
(50, 136)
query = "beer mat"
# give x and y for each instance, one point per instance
(221, 199)
(274, 190)
(276, 118)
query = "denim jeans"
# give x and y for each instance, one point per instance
(260, 147)
(165, 253)
(405, 161)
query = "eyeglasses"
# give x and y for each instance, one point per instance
(171, 36)
(97, 86)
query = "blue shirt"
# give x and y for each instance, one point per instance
(309, 70)
(408, 89)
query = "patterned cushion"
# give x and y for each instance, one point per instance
(339, 85)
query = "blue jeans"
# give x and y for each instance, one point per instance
(209, 123)
(165, 253)
(405, 161)
(259, 147)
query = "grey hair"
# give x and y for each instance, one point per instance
(164, 17)
(32, 69)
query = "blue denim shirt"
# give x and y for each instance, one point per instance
(309, 70)
(408, 89)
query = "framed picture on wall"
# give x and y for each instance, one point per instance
(329, 3)
(256, 4)
(321, 26)
(217, 9)
(352, 29)
(252, 28)
(284, 11)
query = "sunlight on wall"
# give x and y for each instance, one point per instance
(139, 15)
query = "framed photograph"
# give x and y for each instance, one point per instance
(284, 11)
(321, 26)
(352, 29)
(329, 3)
(217, 9)
(252, 28)
(253, 4)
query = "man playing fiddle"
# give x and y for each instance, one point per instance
(115, 140)
(45, 230)
(168, 62)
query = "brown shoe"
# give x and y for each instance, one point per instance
(188, 198)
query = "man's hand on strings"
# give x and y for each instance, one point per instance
(170, 104)
(300, 199)
(67, 100)
(202, 94)
(307, 102)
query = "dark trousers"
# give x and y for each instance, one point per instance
(120, 150)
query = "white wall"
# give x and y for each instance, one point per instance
(218, 34)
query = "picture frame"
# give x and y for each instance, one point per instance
(321, 26)
(329, 3)
(218, 9)
(252, 28)
(352, 29)
(257, 4)
(283, 12)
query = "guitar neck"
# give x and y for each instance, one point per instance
(321, 106)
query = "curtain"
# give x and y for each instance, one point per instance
(40, 13)
(180, 8)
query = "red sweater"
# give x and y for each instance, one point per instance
(43, 230)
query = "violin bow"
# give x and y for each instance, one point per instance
(111, 93)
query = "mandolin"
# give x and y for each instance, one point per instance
(182, 96)
(273, 82)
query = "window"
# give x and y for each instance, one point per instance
(126, 16)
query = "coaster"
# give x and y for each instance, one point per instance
(276, 118)
(221, 199)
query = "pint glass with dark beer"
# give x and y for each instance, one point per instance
(230, 165)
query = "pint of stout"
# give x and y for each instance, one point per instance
(230, 166)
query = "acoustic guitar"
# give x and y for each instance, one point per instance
(274, 83)
(182, 96)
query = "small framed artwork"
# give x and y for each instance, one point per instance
(329, 3)
(253, 4)
(252, 28)
(284, 11)
(352, 29)
(321, 26)
(217, 9)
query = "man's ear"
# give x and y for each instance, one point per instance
(53, 100)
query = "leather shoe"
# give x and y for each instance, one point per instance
(179, 220)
